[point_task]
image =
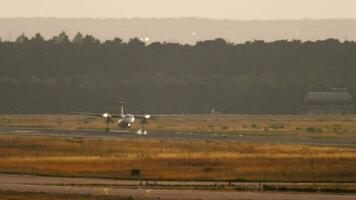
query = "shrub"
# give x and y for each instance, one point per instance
(254, 126)
(313, 129)
(276, 126)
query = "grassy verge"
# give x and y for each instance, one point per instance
(175, 160)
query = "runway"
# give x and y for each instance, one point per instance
(238, 138)
(126, 188)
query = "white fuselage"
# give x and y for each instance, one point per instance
(126, 121)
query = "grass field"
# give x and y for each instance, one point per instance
(175, 160)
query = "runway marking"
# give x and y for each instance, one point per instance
(25, 131)
(106, 191)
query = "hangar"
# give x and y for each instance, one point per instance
(334, 102)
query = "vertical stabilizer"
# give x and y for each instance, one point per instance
(122, 109)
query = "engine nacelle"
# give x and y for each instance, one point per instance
(107, 115)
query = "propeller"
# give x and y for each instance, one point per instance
(108, 120)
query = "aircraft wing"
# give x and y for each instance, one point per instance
(148, 116)
(96, 114)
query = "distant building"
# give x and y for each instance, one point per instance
(214, 112)
(335, 102)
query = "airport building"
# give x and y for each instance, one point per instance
(335, 102)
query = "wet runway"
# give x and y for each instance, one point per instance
(239, 138)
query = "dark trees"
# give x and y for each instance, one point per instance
(60, 75)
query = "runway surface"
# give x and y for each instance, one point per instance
(92, 186)
(272, 139)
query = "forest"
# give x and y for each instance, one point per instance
(62, 74)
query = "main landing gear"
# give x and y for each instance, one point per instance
(142, 130)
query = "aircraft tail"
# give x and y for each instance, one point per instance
(122, 110)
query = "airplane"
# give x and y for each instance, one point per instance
(124, 120)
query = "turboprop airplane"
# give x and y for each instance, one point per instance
(124, 120)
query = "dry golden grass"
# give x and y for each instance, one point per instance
(178, 160)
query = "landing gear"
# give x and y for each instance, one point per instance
(142, 130)
(107, 129)
(108, 121)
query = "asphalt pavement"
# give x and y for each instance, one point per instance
(94, 186)
(239, 138)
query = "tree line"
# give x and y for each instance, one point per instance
(61, 74)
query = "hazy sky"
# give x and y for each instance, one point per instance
(221, 9)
